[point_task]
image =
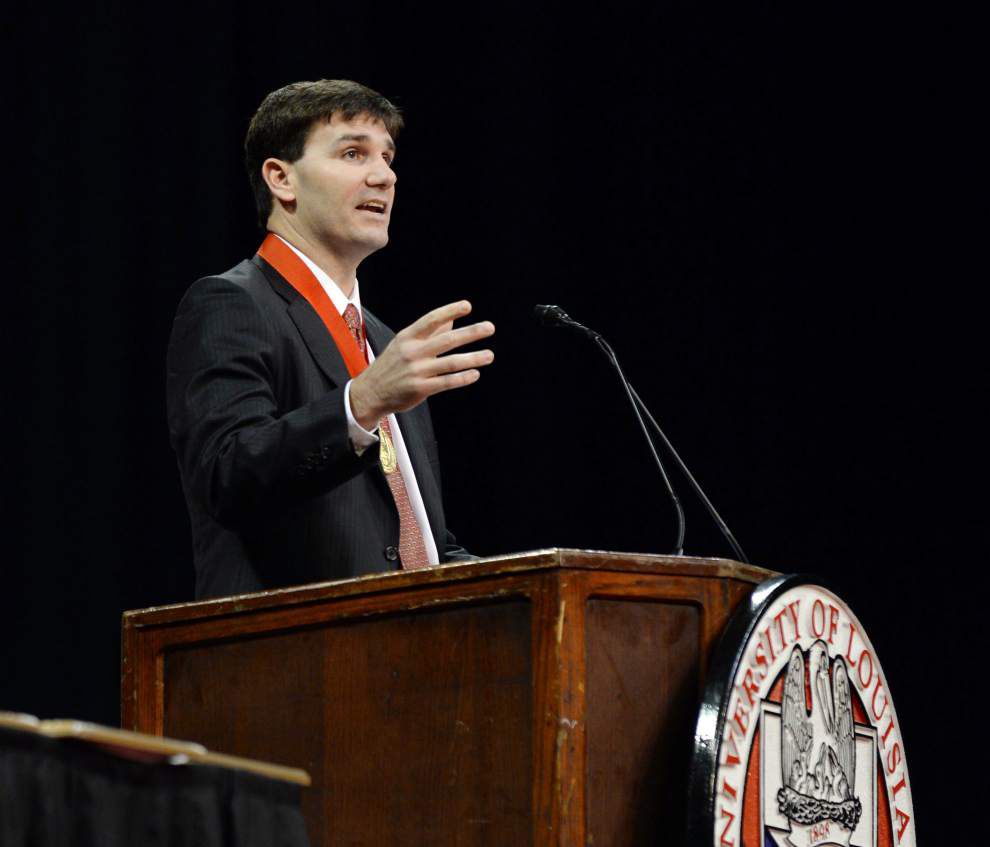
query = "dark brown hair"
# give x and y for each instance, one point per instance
(285, 118)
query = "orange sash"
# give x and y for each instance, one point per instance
(282, 257)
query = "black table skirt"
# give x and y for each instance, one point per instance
(57, 793)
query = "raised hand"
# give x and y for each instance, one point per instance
(412, 367)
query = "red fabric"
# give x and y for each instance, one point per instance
(284, 259)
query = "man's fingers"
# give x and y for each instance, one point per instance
(448, 381)
(427, 324)
(419, 370)
(446, 326)
(462, 362)
(441, 343)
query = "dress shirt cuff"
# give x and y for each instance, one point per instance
(361, 439)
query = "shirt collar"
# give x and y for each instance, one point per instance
(340, 300)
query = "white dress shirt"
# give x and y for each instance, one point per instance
(360, 437)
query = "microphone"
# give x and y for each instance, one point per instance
(555, 316)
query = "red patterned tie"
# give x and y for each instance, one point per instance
(412, 550)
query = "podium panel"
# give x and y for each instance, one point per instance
(544, 698)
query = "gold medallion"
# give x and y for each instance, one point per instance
(386, 452)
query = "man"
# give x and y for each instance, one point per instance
(298, 419)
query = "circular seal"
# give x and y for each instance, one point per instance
(797, 742)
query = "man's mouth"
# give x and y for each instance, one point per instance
(377, 206)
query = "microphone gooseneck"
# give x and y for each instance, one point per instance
(555, 316)
(695, 485)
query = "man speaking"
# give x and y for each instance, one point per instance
(298, 418)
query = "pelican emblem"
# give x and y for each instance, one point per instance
(818, 751)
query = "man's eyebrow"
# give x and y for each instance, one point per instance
(362, 137)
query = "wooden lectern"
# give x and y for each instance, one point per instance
(545, 698)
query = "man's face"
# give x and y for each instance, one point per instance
(345, 186)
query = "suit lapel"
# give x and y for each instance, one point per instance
(378, 334)
(314, 333)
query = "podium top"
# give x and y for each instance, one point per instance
(555, 558)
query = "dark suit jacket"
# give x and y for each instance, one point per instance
(276, 494)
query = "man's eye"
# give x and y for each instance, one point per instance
(351, 153)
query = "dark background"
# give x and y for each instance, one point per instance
(762, 209)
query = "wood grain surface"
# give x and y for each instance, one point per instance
(542, 698)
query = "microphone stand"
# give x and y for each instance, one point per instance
(633, 398)
(555, 316)
(723, 527)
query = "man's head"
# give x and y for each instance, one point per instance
(320, 153)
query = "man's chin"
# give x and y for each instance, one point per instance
(358, 244)
(375, 240)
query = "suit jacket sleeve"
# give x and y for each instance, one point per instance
(453, 552)
(240, 454)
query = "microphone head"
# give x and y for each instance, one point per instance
(551, 315)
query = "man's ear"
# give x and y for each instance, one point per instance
(278, 176)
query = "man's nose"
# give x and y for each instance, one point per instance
(382, 176)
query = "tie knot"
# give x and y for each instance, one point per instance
(353, 320)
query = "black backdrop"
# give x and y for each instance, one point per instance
(757, 207)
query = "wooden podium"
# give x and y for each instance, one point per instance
(545, 698)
